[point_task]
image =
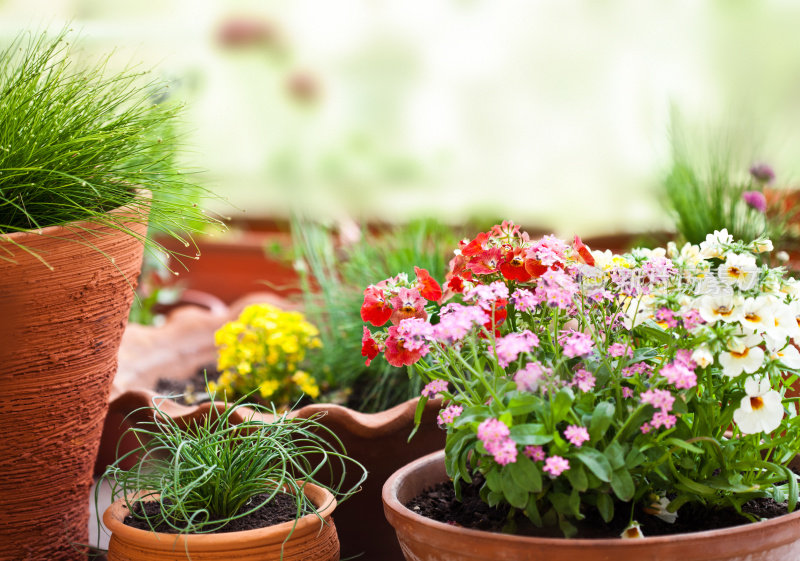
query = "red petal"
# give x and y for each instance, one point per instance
(583, 252)
(427, 285)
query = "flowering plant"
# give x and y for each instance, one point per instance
(262, 351)
(575, 380)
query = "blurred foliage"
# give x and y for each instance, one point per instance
(334, 278)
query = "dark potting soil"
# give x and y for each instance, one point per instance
(282, 508)
(439, 503)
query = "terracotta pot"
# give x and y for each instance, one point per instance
(59, 335)
(378, 440)
(423, 539)
(310, 540)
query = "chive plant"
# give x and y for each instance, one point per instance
(79, 140)
(207, 474)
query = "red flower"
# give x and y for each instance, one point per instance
(427, 285)
(455, 284)
(513, 266)
(486, 262)
(533, 266)
(374, 309)
(583, 252)
(407, 304)
(475, 246)
(369, 348)
(396, 354)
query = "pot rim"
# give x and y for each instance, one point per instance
(277, 533)
(396, 511)
(142, 196)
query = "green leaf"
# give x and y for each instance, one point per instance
(577, 477)
(634, 458)
(524, 404)
(792, 488)
(418, 416)
(601, 420)
(561, 404)
(605, 506)
(531, 433)
(683, 444)
(564, 504)
(494, 480)
(622, 484)
(525, 474)
(515, 495)
(532, 512)
(568, 529)
(471, 414)
(615, 454)
(596, 462)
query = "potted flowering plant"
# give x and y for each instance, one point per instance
(241, 482)
(588, 394)
(86, 159)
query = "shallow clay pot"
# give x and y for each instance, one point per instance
(378, 440)
(310, 540)
(423, 539)
(59, 334)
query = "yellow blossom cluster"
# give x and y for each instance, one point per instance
(262, 351)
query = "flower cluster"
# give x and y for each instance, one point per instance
(262, 350)
(578, 380)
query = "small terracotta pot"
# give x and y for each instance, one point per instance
(310, 540)
(60, 330)
(423, 539)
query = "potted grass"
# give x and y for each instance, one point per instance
(238, 483)
(86, 159)
(600, 406)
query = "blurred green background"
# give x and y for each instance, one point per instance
(554, 114)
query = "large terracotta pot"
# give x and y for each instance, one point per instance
(59, 334)
(423, 539)
(311, 539)
(378, 440)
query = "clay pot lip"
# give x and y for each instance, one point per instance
(65, 229)
(396, 511)
(307, 524)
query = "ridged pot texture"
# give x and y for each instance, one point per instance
(423, 539)
(310, 539)
(60, 330)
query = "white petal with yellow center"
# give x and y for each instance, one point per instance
(739, 270)
(761, 409)
(741, 357)
(723, 306)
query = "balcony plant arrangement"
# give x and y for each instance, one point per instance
(227, 487)
(591, 398)
(87, 157)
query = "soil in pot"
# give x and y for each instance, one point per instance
(440, 503)
(281, 508)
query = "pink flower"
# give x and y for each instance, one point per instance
(576, 435)
(638, 368)
(627, 392)
(556, 288)
(755, 200)
(527, 378)
(485, 295)
(449, 414)
(455, 321)
(645, 428)
(684, 356)
(505, 452)
(667, 317)
(415, 332)
(524, 300)
(555, 466)
(535, 453)
(575, 343)
(762, 173)
(662, 418)
(620, 349)
(678, 374)
(407, 303)
(692, 319)
(584, 380)
(434, 387)
(509, 347)
(660, 399)
(491, 432)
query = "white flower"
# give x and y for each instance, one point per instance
(789, 357)
(761, 409)
(658, 508)
(740, 270)
(702, 356)
(757, 314)
(784, 324)
(712, 247)
(722, 306)
(632, 532)
(791, 287)
(741, 356)
(603, 260)
(762, 246)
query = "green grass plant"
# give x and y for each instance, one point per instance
(333, 300)
(78, 140)
(206, 475)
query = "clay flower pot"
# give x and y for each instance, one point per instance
(310, 540)
(60, 330)
(423, 539)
